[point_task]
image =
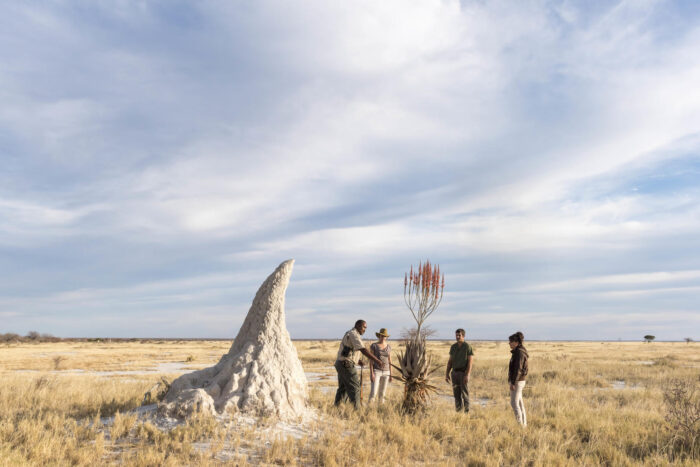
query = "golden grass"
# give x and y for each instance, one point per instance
(578, 411)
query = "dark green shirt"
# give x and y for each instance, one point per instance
(459, 355)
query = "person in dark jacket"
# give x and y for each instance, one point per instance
(517, 371)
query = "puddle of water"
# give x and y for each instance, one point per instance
(162, 367)
(315, 376)
(620, 384)
(172, 367)
(481, 401)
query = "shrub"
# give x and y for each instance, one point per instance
(33, 336)
(682, 399)
(57, 361)
(10, 337)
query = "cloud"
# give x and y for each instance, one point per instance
(544, 153)
(636, 279)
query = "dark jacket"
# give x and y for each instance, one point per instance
(517, 369)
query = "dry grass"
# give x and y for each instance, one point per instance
(578, 410)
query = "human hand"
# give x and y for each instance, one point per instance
(361, 362)
(447, 378)
(371, 377)
(512, 387)
(391, 378)
(466, 379)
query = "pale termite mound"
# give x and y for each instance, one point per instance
(260, 374)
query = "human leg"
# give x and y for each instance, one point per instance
(521, 386)
(516, 402)
(457, 384)
(341, 393)
(383, 383)
(374, 386)
(352, 384)
(465, 395)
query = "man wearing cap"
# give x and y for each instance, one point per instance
(460, 362)
(348, 381)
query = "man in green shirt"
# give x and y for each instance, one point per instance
(460, 362)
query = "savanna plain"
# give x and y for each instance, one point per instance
(588, 403)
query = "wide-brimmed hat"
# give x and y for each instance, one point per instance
(382, 333)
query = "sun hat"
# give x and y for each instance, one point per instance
(382, 333)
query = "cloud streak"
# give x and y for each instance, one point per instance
(542, 152)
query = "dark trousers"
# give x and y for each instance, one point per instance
(460, 391)
(348, 383)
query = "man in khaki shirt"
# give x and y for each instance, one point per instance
(348, 381)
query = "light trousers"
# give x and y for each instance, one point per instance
(379, 385)
(516, 401)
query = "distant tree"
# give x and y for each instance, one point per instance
(688, 340)
(426, 332)
(649, 338)
(33, 335)
(10, 337)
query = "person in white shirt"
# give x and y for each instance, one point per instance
(348, 381)
(380, 375)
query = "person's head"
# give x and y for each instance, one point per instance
(516, 339)
(361, 326)
(382, 335)
(459, 335)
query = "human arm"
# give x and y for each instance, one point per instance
(449, 367)
(390, 377)
(370, 356)
(518, 367)
(522, 366)
(356, 343)
(470, 359)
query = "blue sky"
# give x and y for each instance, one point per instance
(160, 159)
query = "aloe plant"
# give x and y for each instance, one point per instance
(423, 292)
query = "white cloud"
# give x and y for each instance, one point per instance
(648, 281)
(350, 136)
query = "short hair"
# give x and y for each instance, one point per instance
(517, 337)
(460, 331)
(360, 322)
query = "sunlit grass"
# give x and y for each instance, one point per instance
(587, 403)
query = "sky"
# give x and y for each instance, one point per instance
(159, 159)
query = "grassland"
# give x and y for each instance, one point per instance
(73, 403)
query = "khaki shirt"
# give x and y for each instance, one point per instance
(353, 340)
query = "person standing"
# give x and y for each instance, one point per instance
(380, 374)
(348, 381)
(517, 371)
(460, 362)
